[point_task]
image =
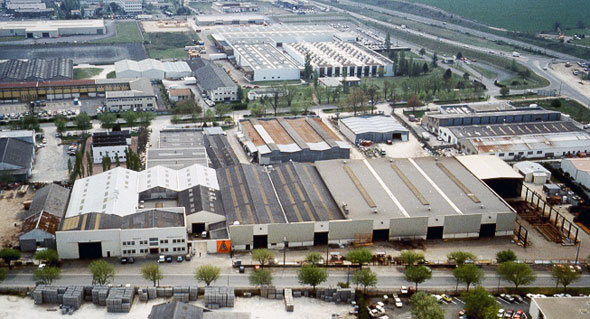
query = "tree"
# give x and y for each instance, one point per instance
(505, 255)
(307, 69)
(316, 77)
(365, 277)
(47, 275)
(373, 94)
(387, 42)
(152, 272)
(221, 109)
(102, 272)
(425, 306)
(207, 274)
(565, 275)
(261, 277)
(359, 256)
(556, 103)
(313, 258)
(504, 91)
(356, 99)
(434, 60)
(69, 166)
(208, 116)
(422, 51)
(288, 93)
(411, 258)
(468, 274)
(273, 101)
(49, 256)
(106, 163)
(130, 118)
(82, 121)
(460, 257)
(312, 275)
(60, 123)
(107, 120)
(425, 68)
(8, 255)
(414, 101)
(417, 274)
(257, 110)
(447, 75)
(145, 118)
(188, 106)
(459, 56)
(466, 76)
(117, 161)
(263, 256)
(479, 304)
(518, 274)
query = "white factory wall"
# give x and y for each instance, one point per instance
(170, 241)
(67, 242)
(579, 176)
(276, 74)
(111, 151)
(122, 104)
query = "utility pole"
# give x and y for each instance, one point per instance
(284, 250)
(578, 253)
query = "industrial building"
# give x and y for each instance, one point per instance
(139, 97)
(219, 151)
(110, 144)
(41, 220)
(24, 135)
(178, 95)
(16, 158)
(15, 70)
(129, 6)
(557, 308)
(213, 80)
(265, 62)
(234, 7)
(378, 129)
(51, 28)
(533, 172)
(339, 58)
(229, 19)
(178, 147)
(578, 169)
(152, 69)
(28, 8)
(300, 139)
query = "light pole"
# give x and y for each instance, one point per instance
(284, 250)
(578, 252)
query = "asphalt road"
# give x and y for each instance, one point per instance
(388, 278)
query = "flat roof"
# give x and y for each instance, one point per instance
(264, 56)
(509, 112)
(531, 167)
(51, 24)
(144, 218)
(557, 308)
(581, 164)
(376, 123)
(285, 33)
(514, 129)
(178, 148)
(488, 167)
(338, 53)
(522, 143)
(229, 17)
(397, 188)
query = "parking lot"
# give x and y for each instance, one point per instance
(52, 108)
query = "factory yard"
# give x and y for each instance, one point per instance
(165, 26)
(12, 205)
(566, 74)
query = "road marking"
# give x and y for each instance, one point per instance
(459, 300)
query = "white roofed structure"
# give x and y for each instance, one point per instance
(152, 69)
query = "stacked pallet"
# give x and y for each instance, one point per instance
(181, 294)
(337, 295)
(88, 293)
(120, 299)
(48, 294)
(142, 294)
(73, 296)
(216, 297)
(152, 292)
(99, 295)
(289, 300)
(271, 292)
(193, 293)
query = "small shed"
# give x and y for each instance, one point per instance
(533, 172)
(375, 128)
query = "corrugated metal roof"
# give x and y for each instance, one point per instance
(488, 167)
(377, 124)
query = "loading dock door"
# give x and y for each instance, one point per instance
(435, 232)
(198, 228)
(260, 241)
(380, 235)
(320, 238)
(487, 230)
(90, 250)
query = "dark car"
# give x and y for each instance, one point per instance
(131, 260)
(168, 259)
(124, 260)
(242, 269)
(187, 257)
(179, 259)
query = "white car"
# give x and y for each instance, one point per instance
(398, 302)
(162, 259)
(500, 313)
(404, 290)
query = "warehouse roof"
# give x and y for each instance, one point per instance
(110, 138)
(210, 75)
(147, 218)
(399, 188)
(264, 55)
(488, 167)
(122, 187)
(140, 87)
(514, 129)
(377, 123)
(44, 221)
(200, 198)
(581, 164)
(15, 153)
(528, 167)
(51, 24)
(52, 199)
(524, 143)
(502, 113)
(571, 308)
(36, 70)
(338, 53)
(178, 148)
(219, 151)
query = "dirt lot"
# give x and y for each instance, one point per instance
(566, 75)
(169, 26)
(12, 205)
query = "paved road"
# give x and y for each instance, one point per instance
(388, 278)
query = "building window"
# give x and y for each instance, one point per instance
(164, 241)
(539, 152)
(501, 154)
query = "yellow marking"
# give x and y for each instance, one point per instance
(458, 183)
(281, 176)
(360, 187)
(309, 212)
(244, 195)
(239, 215)
(83, 226)
(233, 197)
(229, 180)
(290, 172)
(97, 225)
(249, 210)
(297, 213)
(298, 189)
(239, 176)
(71, 223)
(263, 194)
(408, 183)
(317, 191)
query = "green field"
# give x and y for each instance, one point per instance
(6, 39)
(485, 72)
(576, 110)
(169, 45)
(521, 15)
(86, 73)
(127, 32)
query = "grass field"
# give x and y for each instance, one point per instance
(6, 39)
(521, 15)
(86, 73)
(485, 72)
(111, 75)
(169, 45)
(576, 110)
(127, 32)
(518, 83)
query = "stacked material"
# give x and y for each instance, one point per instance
(193, 293)
(289, 300)
(142, 293)
(99, 295)
(296, 293)
(216, 297)
(181, 294)
(271, 292)
(73, 296)
(88, 293)
(151, 292)
(336, 295)
(120, 299)
(48, 294)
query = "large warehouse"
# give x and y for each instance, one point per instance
(152, 69)
(36, 70)
(377, 129)
(578, 169)
(139, 96)
(264, 62)
(177, 148)
(51, 28)
(300, 139)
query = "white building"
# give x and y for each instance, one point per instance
(377, 129)
(264, 62)
(558, 308)
(111, 144)
(533, 172)
(129, 6)
(51, 28)
(214, 81)
(234, 7)
(578, 169)
(140, 97)
(152, 69)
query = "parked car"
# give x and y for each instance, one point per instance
(179, 259)
(404, 290)
(123, 260)
(508, 314)
(187, 257)
(161, 259)
(519, 314)
(168, 259)
(507, 297)
(398, 302)
(131, 260)
(446, 298)
(518, 298)
(500, 314)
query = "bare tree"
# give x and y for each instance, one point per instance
(273, 101)
(288, 93)
(356, 99)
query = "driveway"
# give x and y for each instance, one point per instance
(51, 162)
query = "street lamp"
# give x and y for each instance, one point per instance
(284, 250)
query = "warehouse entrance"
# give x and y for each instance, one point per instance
(320, 238)
(260, 241)
(435, 232)
(380, 235)
(487, 230)
(198, 228)
(396, 136)
(90, 250)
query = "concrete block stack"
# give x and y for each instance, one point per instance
(160, 292)
(38, 295)
(271, 292)
(88, 293)
(216, 297)
(48, 294)
(73, 296)
(142, 293)
(99, 295)
(181, 294)
(337, 295)
(120, 299)
(60, 294)
(152, 292)
(289, 300)
(168, 292)
(297, 294)
(193, 293)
